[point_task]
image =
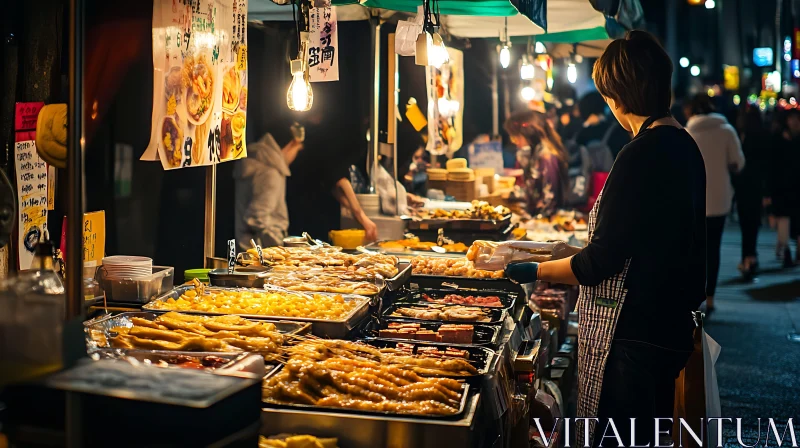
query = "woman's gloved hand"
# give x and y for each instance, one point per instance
(522, 272)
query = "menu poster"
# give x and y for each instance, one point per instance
(32, 199)
(199, 82)
(94, 236)
(446, 104)
(323, 57)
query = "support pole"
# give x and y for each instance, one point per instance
(75, 163)
(495, 98)
(374, 108)
(210, 215)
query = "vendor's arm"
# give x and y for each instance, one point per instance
(618, 219)
(343, 192)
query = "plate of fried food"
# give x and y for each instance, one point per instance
(182, 332)
(363, 378)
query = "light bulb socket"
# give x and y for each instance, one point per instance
(296, 66)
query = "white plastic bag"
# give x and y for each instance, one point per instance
(495, 256)
(405, 38)
(711, 350)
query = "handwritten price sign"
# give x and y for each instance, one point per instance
(32, 197)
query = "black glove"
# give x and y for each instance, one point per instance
(523, 272)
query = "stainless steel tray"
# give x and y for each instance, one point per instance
(484, 335)
(337, 329)
(236, 363)
(496, 315)
(104, 324)
(402, 277)
(307, 407)
(367, 431)
(416, 296)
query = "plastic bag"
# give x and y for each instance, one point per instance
(494, 256)
(405, 39)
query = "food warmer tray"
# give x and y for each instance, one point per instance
(481, 357)
(104, 324)
(458, 224)
(506, 298)
(339, 328)
(241, 362)
(439, 281)
(309, 407)
(496, 315)
(402, 277)
(485, 335)
(366, 431)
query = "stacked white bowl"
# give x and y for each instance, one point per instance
(119, 267)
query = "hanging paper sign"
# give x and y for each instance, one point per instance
(323, 54)
(199, 82)
(32, 197)
(94, 236)
(446, 104)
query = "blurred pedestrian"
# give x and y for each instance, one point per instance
(542, 158)
(750, 185)
(600, 130)
(722, 154)
(784, 186)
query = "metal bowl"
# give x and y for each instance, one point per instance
(242, 277)
(295, 241)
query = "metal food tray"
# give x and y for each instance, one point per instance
(458, 224)
(496, 315)
(339, 328)
(104, 324)
(241, 362)
(309, 407)
(507, 298)
(481, 357)
(438, 281)
(402, 277)
(484, 335)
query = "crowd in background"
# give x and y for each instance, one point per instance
(751, 168)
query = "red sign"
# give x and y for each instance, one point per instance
(25, 116)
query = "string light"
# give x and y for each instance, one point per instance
(526, 70)
(437, 52)
(737, 100)
(695, 70)
(572, 73)
(539, 48)
(527, 93)
(505, 56)
(684, 62)
(300, 97)
(710, 4)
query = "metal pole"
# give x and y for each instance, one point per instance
(211, 214)
(495, 99)
(75, 163)
(376, 99)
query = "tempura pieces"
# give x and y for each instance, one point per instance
(297, 441)
(332, 259)
(264, 303)
(455, 267)
(183, 332)
(334, 373)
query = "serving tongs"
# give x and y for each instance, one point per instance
(315, 243)
(287, 291)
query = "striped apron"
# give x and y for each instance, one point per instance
(598, 310)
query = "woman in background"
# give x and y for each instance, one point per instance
(543, 159)
(749, 186)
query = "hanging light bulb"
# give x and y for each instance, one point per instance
(437, 52)
(539, 47)
(505, 56)
(527, 93)
(300, 97)
(572, 73)
(526, 70)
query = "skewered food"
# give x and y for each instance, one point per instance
(183, 332)
(415, 244)
(265, 303)
(478, 210)
(293, 259)
(334, 373)
(446, 313)
(459, 267)
(298, 441)
(454, 334)
(455, 299)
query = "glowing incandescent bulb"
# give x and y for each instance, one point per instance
(437, 52)
(572, 73)
(505, 56)
(299, 97)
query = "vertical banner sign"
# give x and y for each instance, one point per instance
(446, 104)
(231, 256)
(32, 197)
(94, 236)
(199, 82)
(323, 54)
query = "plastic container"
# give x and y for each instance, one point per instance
(200, 274)
(140, 290)
(347, 239)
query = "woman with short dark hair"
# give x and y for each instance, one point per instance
(643, 272)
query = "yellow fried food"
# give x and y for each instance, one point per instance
(265, 303)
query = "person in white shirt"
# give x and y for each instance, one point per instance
(723, 156)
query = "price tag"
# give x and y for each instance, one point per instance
(231, 256)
